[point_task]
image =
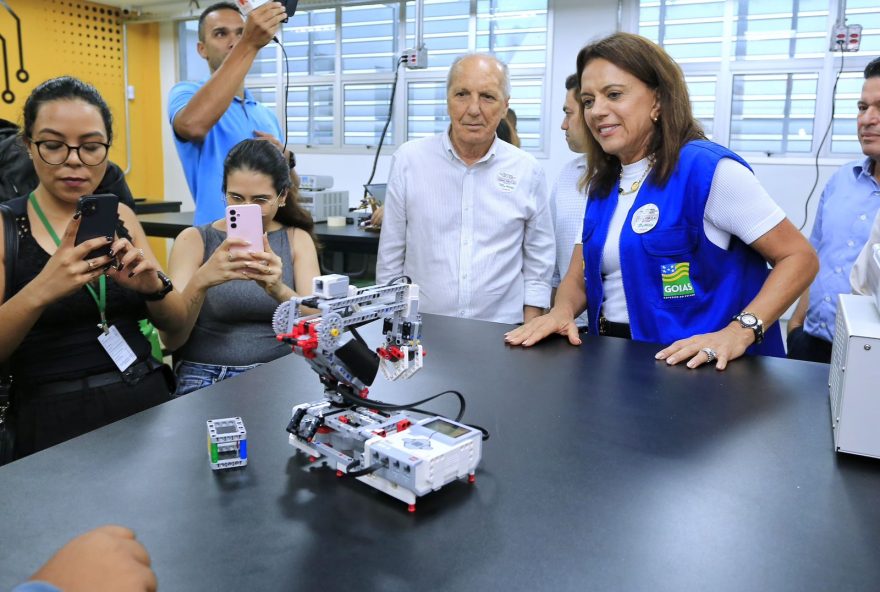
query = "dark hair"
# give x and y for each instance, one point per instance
(262, 157)
(503, 131)
(60, 89)
(572, 81)
(872, 69)
(676, 125)
(209, 10)
(511, 117)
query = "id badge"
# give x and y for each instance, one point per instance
(117, 348)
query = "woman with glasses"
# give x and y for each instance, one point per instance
(231, 293)
(70, 317)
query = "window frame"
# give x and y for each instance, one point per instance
(825, 67)
(399, 132)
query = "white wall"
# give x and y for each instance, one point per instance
(175, 182)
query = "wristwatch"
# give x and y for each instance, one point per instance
(749, 320)
(167, 286)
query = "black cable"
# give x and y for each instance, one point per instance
(387, 123)
(383, 406)
(286, 88)
(822, 143)
(367, 470)
(481, 429)
(398, 278)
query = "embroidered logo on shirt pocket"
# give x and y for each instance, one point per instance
(506, 181)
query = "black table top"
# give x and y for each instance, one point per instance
(144, 206)
(606, 470)
(342, 238)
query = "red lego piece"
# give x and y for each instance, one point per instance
(403, 424)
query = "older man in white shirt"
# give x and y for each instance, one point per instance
(466, 215)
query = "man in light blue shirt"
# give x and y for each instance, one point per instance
(211, 117)
(849, 204)
(567, 201)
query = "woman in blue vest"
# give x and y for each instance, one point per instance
(678, 233)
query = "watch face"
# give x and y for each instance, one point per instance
(748, 320)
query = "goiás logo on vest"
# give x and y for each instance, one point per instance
(676, 280)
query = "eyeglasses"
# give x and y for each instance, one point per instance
(259, 200)
(55, 153)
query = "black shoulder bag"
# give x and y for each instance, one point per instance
(7, 430)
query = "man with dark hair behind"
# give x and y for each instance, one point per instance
(567, 200)
(849, 204)
(211, 117)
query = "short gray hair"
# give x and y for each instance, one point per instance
(505, 72)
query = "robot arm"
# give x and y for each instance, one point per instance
(329, 340)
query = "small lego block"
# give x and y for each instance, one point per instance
(227, 443)
(330, 286)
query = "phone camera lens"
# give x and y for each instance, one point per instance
(232, 212)
(234, 225)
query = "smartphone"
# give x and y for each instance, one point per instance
(100, 215)
(245, 221)
(246, 6)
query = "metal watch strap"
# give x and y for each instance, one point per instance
(757, 328)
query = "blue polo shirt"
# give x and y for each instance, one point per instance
(849, 204)
(203, 161)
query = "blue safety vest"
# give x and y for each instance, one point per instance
(677, 282)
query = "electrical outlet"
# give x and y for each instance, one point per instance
(845, 38)
(416, 58)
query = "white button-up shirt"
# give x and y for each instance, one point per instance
(568, 205)
(478, 240)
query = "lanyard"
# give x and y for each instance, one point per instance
(100, 298)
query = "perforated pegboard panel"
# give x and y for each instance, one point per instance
(83, 39)
(90, 38)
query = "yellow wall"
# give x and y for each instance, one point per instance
(84, 39)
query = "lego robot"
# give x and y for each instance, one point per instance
(380, 444)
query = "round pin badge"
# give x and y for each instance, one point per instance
(645, 218)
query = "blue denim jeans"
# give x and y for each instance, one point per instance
(191, 376)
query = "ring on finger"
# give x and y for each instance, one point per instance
(710, 353)
(229, 255)
(90, 264)
(141, 253)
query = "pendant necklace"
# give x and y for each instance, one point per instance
(635, 186)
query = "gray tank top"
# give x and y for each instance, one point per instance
(234, 327)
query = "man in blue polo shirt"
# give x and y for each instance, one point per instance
(849, 203)
(211, 117)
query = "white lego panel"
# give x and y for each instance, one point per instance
(855, 374)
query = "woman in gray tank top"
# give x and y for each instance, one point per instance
(231, 293)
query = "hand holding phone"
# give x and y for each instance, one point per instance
(100, 215)
(245, 221)
(248, 6)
